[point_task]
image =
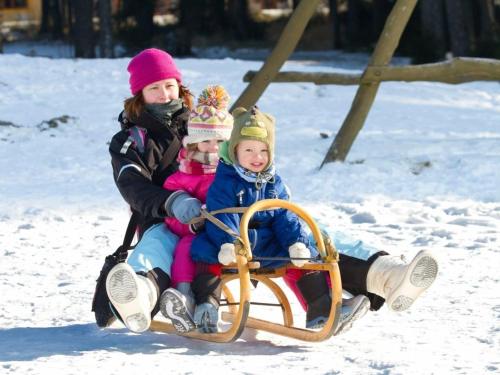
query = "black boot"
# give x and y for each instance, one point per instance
(316, 292)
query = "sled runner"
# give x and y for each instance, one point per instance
(247, 269)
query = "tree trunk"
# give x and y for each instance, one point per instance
(335, 22)
(105, 29)
(144, 12)
(433, 25)
(381, 9)
(353, 23)
(489, 27)
(51, 19)
(57, 25)
(240, 18)
(216, 16)
(84, 30)
(459, 37)
(184, 34)
(44, 24)
(1, 35)
(68, 16)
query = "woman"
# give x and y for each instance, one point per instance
(143, 155)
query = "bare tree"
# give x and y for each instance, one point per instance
(489, 27)
(335, 21)
(141, 33)
(83, 29)
(458, 31)
(105, 29)
(353, 22)
(433, 24)
(1, 35)
(51, 23)
(215, 15)
(240, 18)
(185, 30)
(143, 13)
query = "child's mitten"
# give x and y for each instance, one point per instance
(227, 254)
(299, 250)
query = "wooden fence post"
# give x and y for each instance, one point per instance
(384, 50)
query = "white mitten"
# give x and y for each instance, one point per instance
(227, 254)
(299, 250)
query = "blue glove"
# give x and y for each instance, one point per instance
(182, 206)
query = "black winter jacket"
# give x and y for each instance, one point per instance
(138, 175)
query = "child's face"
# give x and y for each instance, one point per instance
(211, 146)
(161, 92)
(252, 155)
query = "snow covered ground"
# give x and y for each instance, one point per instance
(423, 173)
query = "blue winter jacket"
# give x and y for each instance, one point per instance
(270, 232)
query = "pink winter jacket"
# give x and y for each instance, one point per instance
(196, 186)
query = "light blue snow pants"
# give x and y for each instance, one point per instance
(352, 247)
(155, 249)
(347, 245)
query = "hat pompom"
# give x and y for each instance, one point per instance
(214, 96)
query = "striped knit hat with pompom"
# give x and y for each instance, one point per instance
(210, 119)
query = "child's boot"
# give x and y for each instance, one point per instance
(178, 305)
(352, 309)
(132, 295)
(316, 292)
(207, 289)
(400, 283)
(206, 317)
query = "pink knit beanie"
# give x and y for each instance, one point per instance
(149, 66)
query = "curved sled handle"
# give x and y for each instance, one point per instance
(266, 204)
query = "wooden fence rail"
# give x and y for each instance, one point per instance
(454, 71)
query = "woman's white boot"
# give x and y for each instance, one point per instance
(399, 283)
(132, 295)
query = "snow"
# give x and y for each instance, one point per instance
(423, 173)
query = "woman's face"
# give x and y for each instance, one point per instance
(252, 155)
(161, 92)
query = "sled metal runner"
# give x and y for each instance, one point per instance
(246, 270)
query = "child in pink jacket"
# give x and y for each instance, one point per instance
(209, 124)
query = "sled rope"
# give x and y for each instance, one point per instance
(211, 217)
(204, 214)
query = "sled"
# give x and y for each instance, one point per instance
(247, 269)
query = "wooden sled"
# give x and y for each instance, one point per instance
(246, 270)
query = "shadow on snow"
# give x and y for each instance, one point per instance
(29, 343)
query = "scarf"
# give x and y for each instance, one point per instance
(259, 178)
(195, 162)
(163, 112)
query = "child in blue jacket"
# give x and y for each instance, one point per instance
(246, 174)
